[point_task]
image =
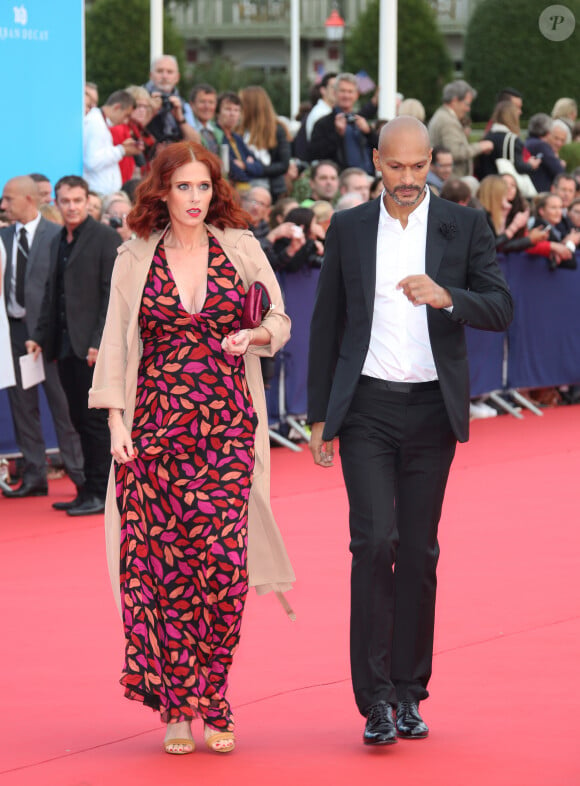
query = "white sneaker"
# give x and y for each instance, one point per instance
(479, 410)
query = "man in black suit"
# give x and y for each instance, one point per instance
(27, 243)
(71, 324)
(388, 374)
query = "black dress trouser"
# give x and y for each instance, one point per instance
(76, 377)
(396, 450)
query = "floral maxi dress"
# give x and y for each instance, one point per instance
(184, 499)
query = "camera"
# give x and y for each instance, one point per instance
(163, 126)
(350, 117)
(115, 222)
(300, 165)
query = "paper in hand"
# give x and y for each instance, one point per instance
(31, 370)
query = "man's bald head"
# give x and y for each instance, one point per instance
(20, 199)
(401, 130)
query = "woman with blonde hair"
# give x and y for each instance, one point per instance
(412, 107)
(566, 109)
(505, 135)
(266, 137)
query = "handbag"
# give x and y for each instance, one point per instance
(256, 306)
(505, 166)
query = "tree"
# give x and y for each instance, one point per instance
(504, 47)
(117, 44)
(424, 65)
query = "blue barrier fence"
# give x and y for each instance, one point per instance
(542, 344)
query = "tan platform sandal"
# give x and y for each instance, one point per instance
(183, 745)
(219, 741)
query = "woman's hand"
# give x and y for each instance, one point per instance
(237, 343)
(122, 449)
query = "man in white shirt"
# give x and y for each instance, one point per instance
(388, 374)
(100, 155)
(324, 105)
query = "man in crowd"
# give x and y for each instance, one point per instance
(388, 374)
(354, 180)
(100, 155)
(324, 105)
(91, 96)
(344, 136)
(173, 117)
(70, 327)
(27, 243)
(445, 127)
(43, 187)
(440, 169)
(203, 103)
(542, 144)
(323, 181)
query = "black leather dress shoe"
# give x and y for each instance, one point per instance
(88, 507)
(28, 490)
(73, 503)
(380, 727)
(410, 725)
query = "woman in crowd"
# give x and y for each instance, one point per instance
(510, 226)
(130, 166)
(563, 243)
(298, 274)
(189, 439)
(267, 138)
(566, 109)
(505, 125)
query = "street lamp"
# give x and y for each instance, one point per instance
(334, 26)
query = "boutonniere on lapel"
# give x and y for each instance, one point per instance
(448, 230)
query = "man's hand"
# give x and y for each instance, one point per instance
(132, 147)
(33, 348)
(421, 290)
(92, 356)
(485, 146)
(362, 124)
(322, 452)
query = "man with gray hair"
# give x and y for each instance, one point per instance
(445, 127)
(344, 136)
(540, 144)
(173, 120)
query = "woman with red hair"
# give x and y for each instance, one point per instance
(189, 440)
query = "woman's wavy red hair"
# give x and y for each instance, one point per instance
(150, 211)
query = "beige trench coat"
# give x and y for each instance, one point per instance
(115, 387)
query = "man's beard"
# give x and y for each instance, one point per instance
(405, 203)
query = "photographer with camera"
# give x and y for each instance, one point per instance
(101, 155)
(343, 135)
(173, 120)
(115, 210)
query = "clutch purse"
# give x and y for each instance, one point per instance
(256, 306)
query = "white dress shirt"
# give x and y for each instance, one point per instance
(400, 348)
(100, 156)
(320, 109)
(15, 310)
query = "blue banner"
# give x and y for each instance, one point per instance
(42, 67)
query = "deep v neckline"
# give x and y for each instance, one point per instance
(173, 279)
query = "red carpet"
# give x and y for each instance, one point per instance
(504, 700)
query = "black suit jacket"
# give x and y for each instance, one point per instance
(87, 281)
(460, 256)
(36, 268)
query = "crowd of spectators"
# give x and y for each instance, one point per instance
(290, 177)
